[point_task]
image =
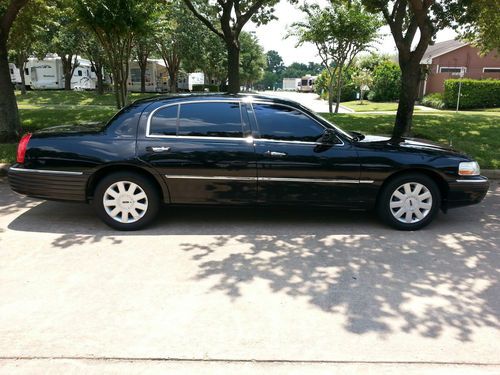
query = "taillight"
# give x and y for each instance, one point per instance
(21, 148)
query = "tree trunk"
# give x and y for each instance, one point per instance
(100, 79)
(172, 75)
(21, 60)
(339, 89)
(143, 79)
(407, 96)
(330, 94)
(10, 127)
(233, 66)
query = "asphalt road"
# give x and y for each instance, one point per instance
(247, 291)
(310, 100)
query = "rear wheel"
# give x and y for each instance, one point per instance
(409, 202)
(126, 201)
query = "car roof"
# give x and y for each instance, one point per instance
(215, 96)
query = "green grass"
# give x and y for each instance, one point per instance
(476, 134)
(368, 106)
(72, 98)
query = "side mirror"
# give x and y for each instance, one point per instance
(329, 137)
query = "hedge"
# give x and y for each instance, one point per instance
(484, 93)
(209, 88)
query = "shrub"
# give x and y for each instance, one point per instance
(201, 88)
(435, 100)
(386, 82)
(484, 93)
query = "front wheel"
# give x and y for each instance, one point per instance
(409, 202)
(126, 201)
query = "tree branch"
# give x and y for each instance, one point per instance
(10, 15)
(203, 19)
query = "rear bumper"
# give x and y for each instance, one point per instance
(48, 184)
(467, 191)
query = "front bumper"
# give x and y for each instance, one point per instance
(466, 191)
(48, 184)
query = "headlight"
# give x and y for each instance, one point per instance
(469, 168)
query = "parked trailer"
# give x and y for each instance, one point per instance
(307, 83)
(156, 76)
(15, 75)
(186, 81)
(47, 74)
(291, 84)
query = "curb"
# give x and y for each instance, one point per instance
(492, 174)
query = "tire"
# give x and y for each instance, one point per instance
(132, 201)
(409, 202)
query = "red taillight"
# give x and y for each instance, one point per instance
(21, 148)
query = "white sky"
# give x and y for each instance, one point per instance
(272, 36)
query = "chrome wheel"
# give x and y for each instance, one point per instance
(411, 202)
(125, 202)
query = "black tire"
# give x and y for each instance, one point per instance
(145, 216)
(411, 203)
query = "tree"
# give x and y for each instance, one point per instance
(24, 37)
(363, 80)
(226, 18)
(253, 60)
(115, 23)
(274, 62)
(143, 47)
(9, 116)
(414, 24)
(95, 53)
(481, 24)
(339, 32)
(297, 70)
(386, 82)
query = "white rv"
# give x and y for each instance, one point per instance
(15, 75)
(307, 83)
(186, 81)
(156, 76)
(47, 74)
(291, 84)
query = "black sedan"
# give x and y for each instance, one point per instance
(239, 150)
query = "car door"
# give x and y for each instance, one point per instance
(202, 150)
(296, 165)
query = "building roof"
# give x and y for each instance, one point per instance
(441, 48)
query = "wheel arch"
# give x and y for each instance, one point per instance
(434, 175)
(107, 170)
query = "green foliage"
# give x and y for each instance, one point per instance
(274, 62)
(386, 82)
(252, 59)
(348, 90)
(204, 88)
(483, 93)
(434, 100)
(298, 70)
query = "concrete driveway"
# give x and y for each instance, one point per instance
(310, 100)
(247, 291)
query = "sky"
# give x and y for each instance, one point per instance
(272, 36)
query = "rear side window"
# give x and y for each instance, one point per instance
(210, 120)
(286, 124)
(164, 121)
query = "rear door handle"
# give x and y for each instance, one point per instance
(158, 149)
(275, 154)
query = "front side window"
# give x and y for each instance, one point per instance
(210, 120)
(286, 124)
(164, 121)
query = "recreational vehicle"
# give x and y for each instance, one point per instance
(47, 74)
(156, 76)
(307, 83)
(186, 81)
(15, 76)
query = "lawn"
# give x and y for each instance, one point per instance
(368, 106)
(477, 134)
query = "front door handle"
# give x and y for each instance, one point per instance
(275, 154)
(158, 149)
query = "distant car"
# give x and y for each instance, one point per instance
(239, 150)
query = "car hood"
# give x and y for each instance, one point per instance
(70, 130)
(414, 143)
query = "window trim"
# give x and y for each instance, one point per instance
(491, 67)
(150, 116)
(462, 68)
(288, 141)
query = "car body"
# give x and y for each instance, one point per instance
(238, 150)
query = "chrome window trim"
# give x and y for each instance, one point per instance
(150, 116)
(44, 171)
(473, 181)
(298, 110)
(271, 179)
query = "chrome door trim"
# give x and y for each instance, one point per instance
(44, 171)
(272, 179)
